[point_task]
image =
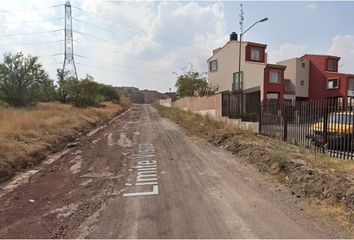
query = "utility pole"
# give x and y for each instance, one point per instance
(242, 18)
(69, 63)
(239, 77)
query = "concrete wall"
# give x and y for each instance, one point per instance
(205, 105)
(166, 102)
(227, 64)
(210, 105)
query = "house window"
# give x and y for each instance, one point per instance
(331, 65)
(213, 65)
(256, 54)
(238, 81)
(303, 65)
(332, 83)
(274, 76)
(351, 84)
(302, 82)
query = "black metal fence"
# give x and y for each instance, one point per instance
(326, 124)
(242, 105)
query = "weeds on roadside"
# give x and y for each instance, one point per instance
(280, 158)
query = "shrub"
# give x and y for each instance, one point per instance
(109, 93)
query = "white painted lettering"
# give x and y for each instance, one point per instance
(147, 162)
(155, 190)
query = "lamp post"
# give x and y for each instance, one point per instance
(239, 58)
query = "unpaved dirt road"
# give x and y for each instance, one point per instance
(142, 177)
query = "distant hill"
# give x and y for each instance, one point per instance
(144, 96)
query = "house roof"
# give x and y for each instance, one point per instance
(322, 55)
(247, 42)
(257, 44)
(275, 66)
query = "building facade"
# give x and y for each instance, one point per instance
(303, 78)
(317, 77)
(296, 78)
(255, 75)
(325, 80)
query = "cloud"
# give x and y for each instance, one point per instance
(343, 46)
(177, 34)
(142, 43)
(286, 51)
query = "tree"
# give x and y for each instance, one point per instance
(64, 83)
(192, 83)
(87, 93)
(24, 81)
(109, 93)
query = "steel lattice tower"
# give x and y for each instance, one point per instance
(69, 63)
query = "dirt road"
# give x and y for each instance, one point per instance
(142, 177)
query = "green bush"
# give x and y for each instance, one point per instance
(109, 93)
(84, 92)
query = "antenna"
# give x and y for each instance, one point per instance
(241, 15)
(69, 63)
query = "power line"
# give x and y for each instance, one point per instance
(31, 33)
(34, 21)
(33, 43)
(126, 67)
(51, 55)
(112, 51)
(116, 43)
(134, 29)
(54, 63)
(30, 9)
(117, 72)
(109, 50)
(113, 32)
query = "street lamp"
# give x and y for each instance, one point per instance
(239, 59)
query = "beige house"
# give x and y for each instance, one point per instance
(256, 75)
(296, 78)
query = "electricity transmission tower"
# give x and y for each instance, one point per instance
(69, 63)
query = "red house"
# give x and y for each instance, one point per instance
(324, 79)
(316, 77)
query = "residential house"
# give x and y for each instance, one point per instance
(257, 76)
(317, 77)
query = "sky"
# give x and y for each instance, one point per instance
(146, 43)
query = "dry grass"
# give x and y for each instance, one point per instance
(28, 134)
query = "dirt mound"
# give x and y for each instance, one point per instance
(143, 96)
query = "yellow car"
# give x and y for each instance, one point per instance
(340, 133)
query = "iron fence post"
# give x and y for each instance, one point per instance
(325, 122)
(285, 134)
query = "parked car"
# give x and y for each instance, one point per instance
(340, 133)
